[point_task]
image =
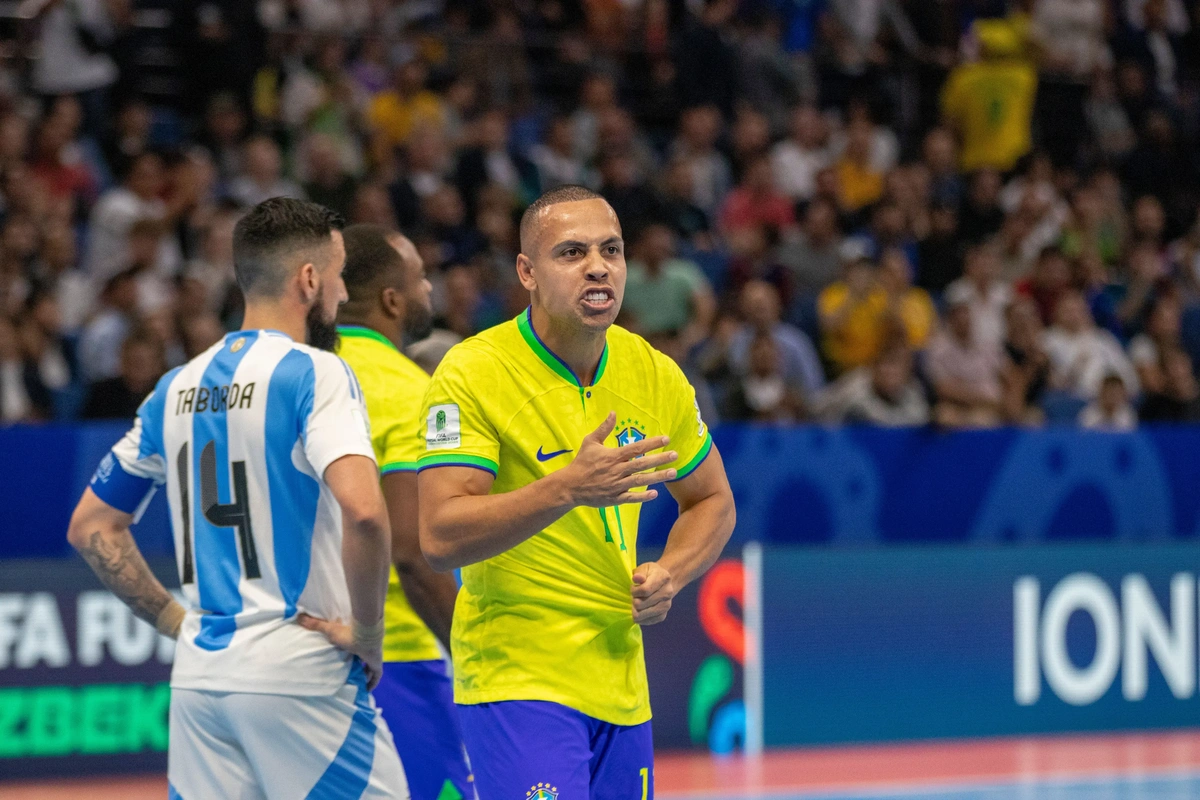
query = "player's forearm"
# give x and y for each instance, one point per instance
(113, 555)
(467, 529)
(432, 596)
(366, 554)
(698, 537)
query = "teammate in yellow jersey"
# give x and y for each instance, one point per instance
(541, 437)
(389, 302)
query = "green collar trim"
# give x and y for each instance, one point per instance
(359, 332)
(548, 357)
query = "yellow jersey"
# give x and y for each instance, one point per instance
(991, 105)
(551, 619)
(393, 387)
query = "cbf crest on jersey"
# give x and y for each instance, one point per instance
(542, 791)
(630, 431)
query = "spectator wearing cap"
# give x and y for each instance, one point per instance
(964, 370)
(989, 102)
(142, 363)
(885, 393)
(1110, 410)
(1082, 355)
(666, 294)
(981, 289)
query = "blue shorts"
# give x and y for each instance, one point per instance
(522, 747)
(417, 701)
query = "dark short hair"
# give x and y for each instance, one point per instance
(369, 258)
(270, 235)
(570, 193)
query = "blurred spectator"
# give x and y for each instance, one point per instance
(326, 180)
(987, 296)
(1111, 410)
(796, 160)
(209, 283)
(57, 273)
(15, 402)
(666, 294)
(885, 393)
(860, 182)
(910, 306)
(939, 155)
(1148, 39)
(142, 364)
(200, 332)
(555, 158)
(940, 252)
(1082, 355)
(1051, 279)
(990, 102)
(794, 353)
(71, 57)
(1146, 279)
(1162, 335)
(408, 104)
(262, 174)
(492, 162)
(139, 197)
(678, 208)
(755, 202)
(597, 96)
(981, 216)
(762, 393)
(964, 370)
(699, 129)
(1026, 369)
(50, 371)
(100, 342)
(853, 314)
(706, 58)
(1178, 398)
(812, 255)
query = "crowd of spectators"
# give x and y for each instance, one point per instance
(890, 212)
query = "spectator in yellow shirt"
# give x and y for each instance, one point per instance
(989, 103)
(395, 112)
(859, 183)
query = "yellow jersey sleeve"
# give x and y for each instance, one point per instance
(686, 427)
(455, 430)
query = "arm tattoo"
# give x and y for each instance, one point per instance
(120, 566)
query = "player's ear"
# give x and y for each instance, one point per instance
(309, 282)
(391, 301)
(525, 272)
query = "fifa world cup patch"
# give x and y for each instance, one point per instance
(542, 791)
(443, 429)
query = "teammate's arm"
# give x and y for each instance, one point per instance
(461, 524)
(366, 550)
(429, 593)
(101, 534)
(706, 520)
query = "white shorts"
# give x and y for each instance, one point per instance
(241, 746)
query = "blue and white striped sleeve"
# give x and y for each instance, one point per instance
(129, 473)
(334, 417)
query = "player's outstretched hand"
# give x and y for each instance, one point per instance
(341, 636)
(653, 590)
(607, 476)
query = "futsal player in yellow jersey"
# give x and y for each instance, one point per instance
(389, 300)
(541, 437)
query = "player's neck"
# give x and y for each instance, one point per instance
(381, 324)
(579, 349)
(273, 315)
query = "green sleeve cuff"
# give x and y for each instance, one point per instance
(456, 460)
(398, 466)
(697, 460)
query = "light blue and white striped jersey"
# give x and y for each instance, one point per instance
(241, 436)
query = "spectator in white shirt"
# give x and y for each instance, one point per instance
(137, 198)
(1111, 410)
(555, 159)
(965, 371)
(982, 290)
(1082, 355)
(797, 159)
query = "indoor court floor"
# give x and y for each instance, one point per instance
(1146, 766)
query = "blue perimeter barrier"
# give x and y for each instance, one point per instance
(797, 485)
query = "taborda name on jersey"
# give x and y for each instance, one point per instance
(442, 428)
(216, 399)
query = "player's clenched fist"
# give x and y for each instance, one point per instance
(653, 590)
(606, 476)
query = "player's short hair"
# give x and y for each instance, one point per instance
(267, 240)
(370, 258)
(570, 193)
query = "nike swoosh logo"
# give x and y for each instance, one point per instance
(547, 456)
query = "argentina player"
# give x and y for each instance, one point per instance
(263, 447)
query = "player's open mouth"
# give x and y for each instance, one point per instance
(599, 299)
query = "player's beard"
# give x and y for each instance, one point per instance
(418, 321)
(321, 334)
